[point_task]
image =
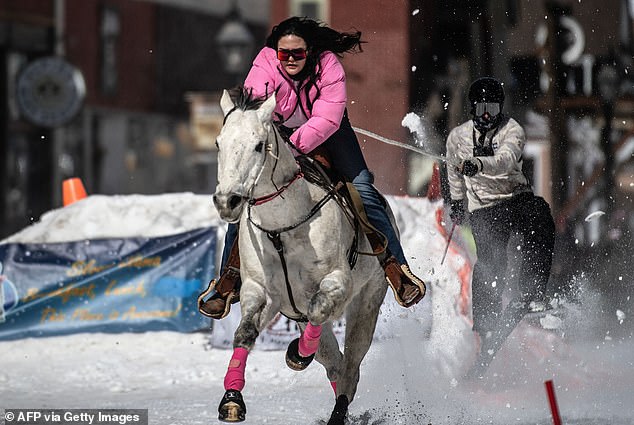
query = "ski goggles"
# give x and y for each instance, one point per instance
(286, 54)
(485, 107)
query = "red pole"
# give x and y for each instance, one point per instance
(448, 242)
(553, 402)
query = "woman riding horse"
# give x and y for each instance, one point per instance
(300, 66)
(289, 263)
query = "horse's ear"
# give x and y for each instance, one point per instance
(226, 104)
(266, 109)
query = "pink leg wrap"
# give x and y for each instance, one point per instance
(333, 384)
(234, 379)
(309, 341)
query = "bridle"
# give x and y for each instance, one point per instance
(266, 198)
(272, 149)
(274, 234)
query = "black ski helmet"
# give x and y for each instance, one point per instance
(486, 90)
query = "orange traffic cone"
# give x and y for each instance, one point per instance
(433, 190)
(73, 190)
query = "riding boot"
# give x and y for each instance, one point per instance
(408, 289)
(227, 288)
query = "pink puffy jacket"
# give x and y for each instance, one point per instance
(267, 76)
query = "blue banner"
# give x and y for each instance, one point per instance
(105, 285)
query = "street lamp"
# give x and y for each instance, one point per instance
(235, 43)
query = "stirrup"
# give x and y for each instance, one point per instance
(232, 297)
(404, 273)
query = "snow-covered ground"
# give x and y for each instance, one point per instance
(408, 377)
(178, 377)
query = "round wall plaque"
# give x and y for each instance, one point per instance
(50, 91)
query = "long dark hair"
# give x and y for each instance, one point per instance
(319, 38)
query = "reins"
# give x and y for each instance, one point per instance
(263, 199)
(266, 198)
(274, 234)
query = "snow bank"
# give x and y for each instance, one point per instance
(100, 216)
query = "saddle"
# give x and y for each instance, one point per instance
(318, 170)
(408, 289)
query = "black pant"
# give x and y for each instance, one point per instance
(530, 217)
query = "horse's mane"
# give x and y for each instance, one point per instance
(244, 99)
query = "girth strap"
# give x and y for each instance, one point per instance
(274, 237)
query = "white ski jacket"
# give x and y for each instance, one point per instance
(500, 176)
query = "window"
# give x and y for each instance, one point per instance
(315, 9)
(110, 31)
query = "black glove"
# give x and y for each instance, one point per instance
(469, 167)
(457, 213)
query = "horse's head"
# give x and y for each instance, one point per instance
(243, 145)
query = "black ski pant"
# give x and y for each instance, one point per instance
(530, 217)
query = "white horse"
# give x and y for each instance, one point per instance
(296, 248)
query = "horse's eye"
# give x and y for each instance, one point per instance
(259, 146)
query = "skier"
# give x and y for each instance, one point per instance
(489, 180)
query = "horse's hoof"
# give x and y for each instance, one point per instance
(294, 360)
(232, 408)
(340, 411)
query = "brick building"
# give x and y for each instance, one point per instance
(140, 59)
